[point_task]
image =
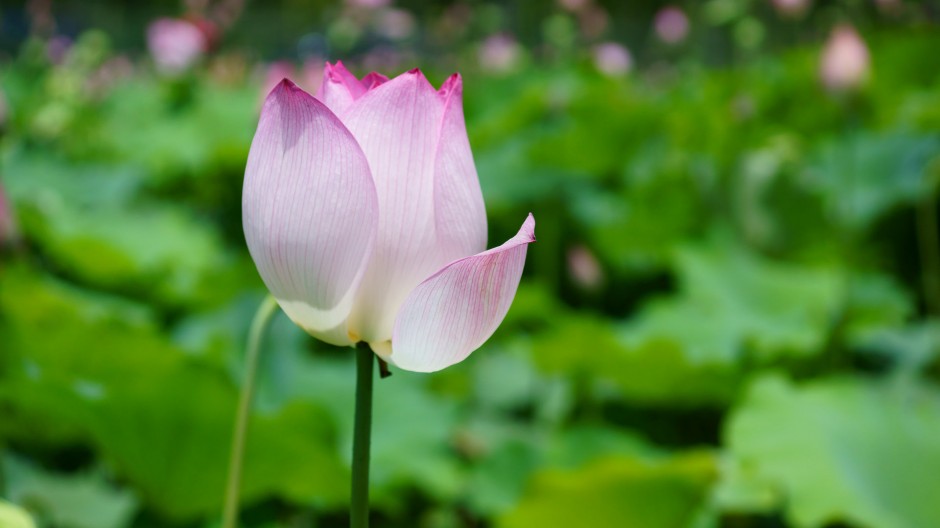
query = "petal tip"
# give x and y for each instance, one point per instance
(528, 228)
(452, 86)
(285, 88)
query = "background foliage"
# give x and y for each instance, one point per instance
(730, 317)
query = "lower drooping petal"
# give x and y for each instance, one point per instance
(457, 309)
(309, 211)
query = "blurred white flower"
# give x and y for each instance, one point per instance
(612, 59)
(792, 8)
(499, 53)
(845, 62)
(175, 44)
(671, 25)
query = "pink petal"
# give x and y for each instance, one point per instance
(340, 88)
(457, 309)
(374, 80)
(460, 215)
(398, 125)
(309, 211)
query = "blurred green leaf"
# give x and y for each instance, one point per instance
(862, 176)
(12, 516)
(734, 304)
(161, 419)
(617, 491)
(843, 449)
(68, 501)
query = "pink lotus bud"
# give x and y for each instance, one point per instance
(363, 213)
(791, 8)
(499, 53)
(612, 59)
(845, 62)
(584, 268)
(671, 25)
(175, 44)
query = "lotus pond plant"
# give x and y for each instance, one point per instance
(363, 213)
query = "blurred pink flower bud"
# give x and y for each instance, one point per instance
(499, 53)
(4, 110)
(889, 6)
(8, 230)
(593, 21)
(396, 24)
(311, 73)
(175, 44)
(671, 25)
(363, 213)
(57, 48)
(612, 59)
(791, 8)
(573, 5)
(368, 4)
(584, 268)
(845, 62)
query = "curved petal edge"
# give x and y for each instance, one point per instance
(309, 211)
(457, 309)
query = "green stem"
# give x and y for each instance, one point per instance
(362, 432)
(258, 324)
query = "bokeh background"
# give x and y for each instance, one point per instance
(730, 318)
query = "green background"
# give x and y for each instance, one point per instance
(730, 318)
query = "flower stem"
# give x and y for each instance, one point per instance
(258, 324)
(362, 433)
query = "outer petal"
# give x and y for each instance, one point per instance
(340, 88)
(309, 211)
(460, 215)
(397, 124)
(457, 309)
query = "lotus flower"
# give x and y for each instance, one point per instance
(363, 213)
(845, 62)
(175, 44)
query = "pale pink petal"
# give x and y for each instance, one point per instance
(457, 309)
(309, 211)
(339, 88)
(460, 215)
(398, 126)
